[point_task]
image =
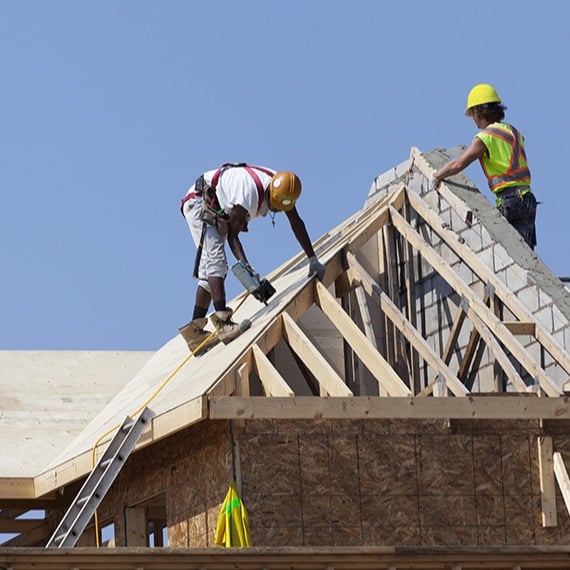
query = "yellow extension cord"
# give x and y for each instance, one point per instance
(154, 395)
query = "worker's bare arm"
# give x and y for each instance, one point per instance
(300, 231)
(473, 152)
(237, 223)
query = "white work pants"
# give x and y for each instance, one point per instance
(213, 262)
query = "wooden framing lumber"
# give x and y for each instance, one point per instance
(515, 306)
(371, 358)
(498, 353)
(300, 557)
(521, 327)
(407, 329)
(397, 356)
(242, 380)
(453, 335)
(365, 316)
(476, 306)
(546, 476)
(386, 279)
(242, 385)
(38, 535)
(273, 383)
(469, 354)
(135, 526)
(368, 227)
(409, 257)
(313, 359)
(484, 407)
(57, 502)
(19, 525)
(562, 478)
(17, 488)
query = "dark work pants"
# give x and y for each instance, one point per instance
(520, 211)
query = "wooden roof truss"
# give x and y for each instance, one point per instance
(399, 355)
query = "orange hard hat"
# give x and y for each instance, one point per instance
(284, 190)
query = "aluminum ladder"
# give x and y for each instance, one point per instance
(99, 481)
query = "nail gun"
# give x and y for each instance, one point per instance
(261, 289)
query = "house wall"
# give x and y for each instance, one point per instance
(351, 483)
(192, 468)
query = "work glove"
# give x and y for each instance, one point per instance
(433, 183)
(316, 268)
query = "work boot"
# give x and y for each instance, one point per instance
(194, 333)
(227, 330)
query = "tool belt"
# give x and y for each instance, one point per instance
(212, 213)
(515, 202)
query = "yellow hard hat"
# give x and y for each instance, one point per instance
(284, 190)
(481, 94)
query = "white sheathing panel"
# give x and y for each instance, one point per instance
(48, 397)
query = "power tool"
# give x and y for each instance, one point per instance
(261, 289)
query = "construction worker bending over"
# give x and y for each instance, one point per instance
(217, 208)
(500, 150)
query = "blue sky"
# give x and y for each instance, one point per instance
(110, 110)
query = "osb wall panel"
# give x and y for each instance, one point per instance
(350, 483)
(389, 483)
(191, 469)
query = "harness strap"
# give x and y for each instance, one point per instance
(186, 198)
(258, 184)
(251, 171)
(215, 179)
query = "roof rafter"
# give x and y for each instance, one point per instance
(488, 276)
(475, 305)
(404, 326)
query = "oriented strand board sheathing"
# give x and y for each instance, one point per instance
(387, 465)
(270, 464)
(422, 485)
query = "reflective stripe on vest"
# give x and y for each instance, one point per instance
(517, 172)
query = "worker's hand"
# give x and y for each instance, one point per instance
(433, 183)
(252, 271)
(316, 268)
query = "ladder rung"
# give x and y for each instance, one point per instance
(127, 426)
(82, 501)
(106, 463)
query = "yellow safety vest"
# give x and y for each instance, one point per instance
(504, 163)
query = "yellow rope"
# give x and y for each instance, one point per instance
(154, 395)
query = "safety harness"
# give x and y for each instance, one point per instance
(212, 214)
(202, 189)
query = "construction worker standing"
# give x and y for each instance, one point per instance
(217, 208)
(501, 152)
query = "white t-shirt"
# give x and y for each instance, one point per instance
(236, 186)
